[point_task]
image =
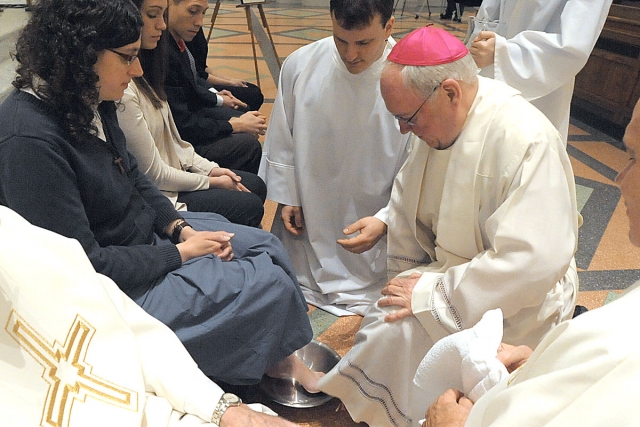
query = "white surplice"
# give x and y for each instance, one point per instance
(496, 212)
(540, 47)
(333, 149)
(75, 351)
(584, 373)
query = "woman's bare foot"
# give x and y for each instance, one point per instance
(292, 367)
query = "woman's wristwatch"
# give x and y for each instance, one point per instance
(227, 400)
(177, 229)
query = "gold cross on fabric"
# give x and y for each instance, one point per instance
(68, 375)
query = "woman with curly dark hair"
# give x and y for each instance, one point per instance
(64, 167)
(56, 59)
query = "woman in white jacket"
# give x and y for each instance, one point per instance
(187, 179)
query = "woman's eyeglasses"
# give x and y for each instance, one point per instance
(128, 58)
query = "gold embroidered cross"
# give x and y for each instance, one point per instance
(68, 375)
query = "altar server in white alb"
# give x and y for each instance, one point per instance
(331, 153)
(538, 47)
(483, 216)
(77, 352)
(585, 372)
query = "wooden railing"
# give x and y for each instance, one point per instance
(609, 84)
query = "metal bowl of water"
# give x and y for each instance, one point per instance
(318, 357)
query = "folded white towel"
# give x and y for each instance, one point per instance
(465, 360)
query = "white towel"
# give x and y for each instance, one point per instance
(465, 360)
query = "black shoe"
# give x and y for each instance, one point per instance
(579, 310)
(445, 16)
(457, 18)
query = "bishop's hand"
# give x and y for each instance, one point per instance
(398, 293)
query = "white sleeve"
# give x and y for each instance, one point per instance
(383, 214)
(220, 99)
(537, 62)
(277, 168)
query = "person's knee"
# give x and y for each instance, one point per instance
(255, 98)
(253, 209)
(251, 150)
(261, 189)
(248, 143)
(254, 183)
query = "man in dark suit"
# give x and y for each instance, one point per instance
(217, 123)
(246, 92)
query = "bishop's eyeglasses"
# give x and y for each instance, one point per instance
(410, 121)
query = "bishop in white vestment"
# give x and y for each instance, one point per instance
(486, 219)
(540, 46)
(586, 371)
(333, 149)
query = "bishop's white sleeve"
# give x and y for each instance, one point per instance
(277, 167)
(530, 234)
(168, 369)
(537, 62)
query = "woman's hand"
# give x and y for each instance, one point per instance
(200, 243)
(224, 81)
(225, 178)
(229, 81)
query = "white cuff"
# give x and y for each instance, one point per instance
(220, 99)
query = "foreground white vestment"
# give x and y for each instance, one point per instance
(540, 47)
(76, 352)
(497, 214)
(584, 373)
(333, 149)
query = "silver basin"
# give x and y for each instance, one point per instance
(318, 357)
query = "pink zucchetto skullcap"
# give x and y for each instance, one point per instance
(427, 46)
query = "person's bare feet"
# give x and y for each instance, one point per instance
(292, 367)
